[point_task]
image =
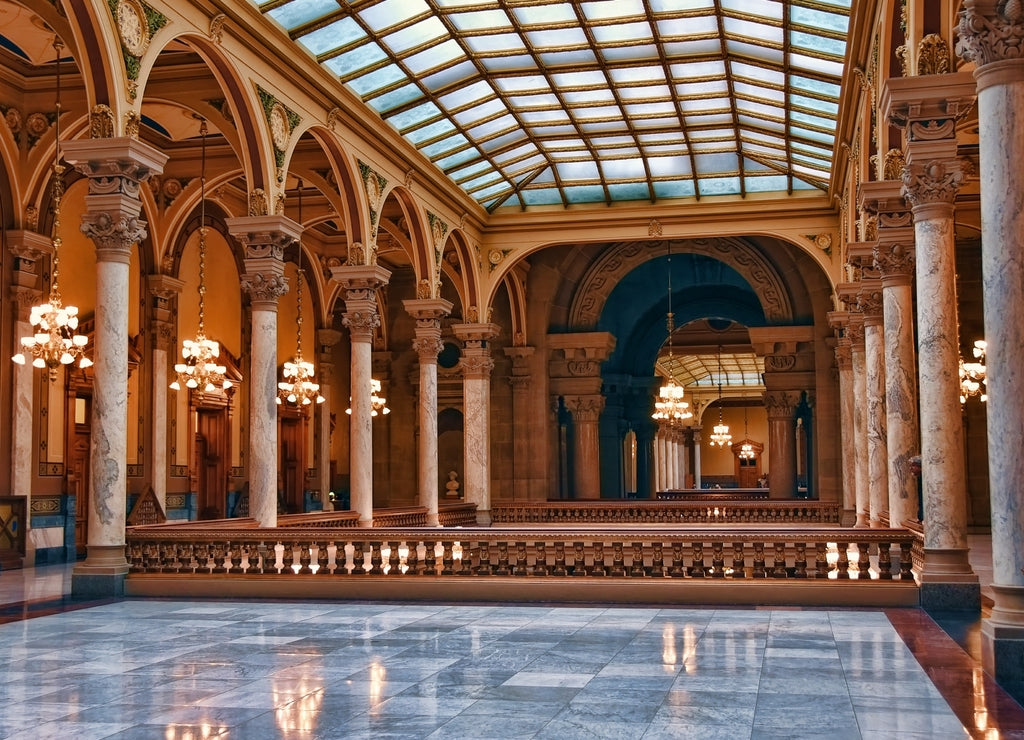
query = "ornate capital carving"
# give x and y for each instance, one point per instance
(265, 285)
(781, 404)
(991, 32)
(114, 233)
(935, 181)
(361, 324)
(844, 356)
(427, 347)
(476, 366)
(893, 260)
(870, 302)
(585, 408)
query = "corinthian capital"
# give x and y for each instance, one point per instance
(991, 31)
(934, 181)
(114, 233)
(893, 260)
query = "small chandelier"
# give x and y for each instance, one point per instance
(378, 404)
(669, 405)
(54, 340)
(200, 368)
(298, 387)
(746, 449)
(972, 374)
(720, 436)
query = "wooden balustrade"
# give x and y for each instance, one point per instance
(456, 515)
(719, 511)
(160, 556)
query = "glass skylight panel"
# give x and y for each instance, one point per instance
(558, 38)
(440, 148)
(479, 112)
(481, 20)
(489, 129)
(623, 33)
(767, 33)
(623, 169)
(539, 197)
(674, 188)
(355, 61)
(450, 76)
(493, 43)
(604, 10)
(384, 14)
(298, 12)
(578, 171)
(436, 56)
(768, 54)
(584, 194)
(456, 159)
(334, 36)
(426, 31)
(831, 47)
(377, 79)
(819, 19)
(674, 28)
(669, 166)
(762, 8)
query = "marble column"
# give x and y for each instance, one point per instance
(361, 283)
(326, 339)
(847, 411)
(870, 301)
(586, 412)
(659, 459)
(860, 419)
(524, 452)
(781, 407)
(895, 262)
(28, 249)
(428, 313)
(162, 290)
(928, 111)
(264, 239)
(476, 365)
(696, 456)
(116, 168)
(646, 465)
(992, 37)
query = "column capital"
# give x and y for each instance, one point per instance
(264, 236)
(844, 354)
(585, 408)
(928, 182)
(264, 281)
(162, 290)
(327, 338)
(427, 309)
(869, 300)
(781, 404)
(477, 365)
(855, 330)
(476, 335)
(927, 107)
(895, 262)
(428, 313)
(989, 33)
(360, 282)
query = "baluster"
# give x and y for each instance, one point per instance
(168, 558)
(520, 568)
(800, 562)
(376, 559)
(447, 559)
(502, 569)
(579, 564)
(779, 571)
(540, 566)
(759, 560)
(884, 562)
(717, 560)
(262, 559)
(636, 568)
(677, 571)
(906, 560)
(598, 569)
(202, 558)
(820, 560)
(484, 569)
(618, 560)
(429, 562)
(305, 557)
(236, 559)
(462, 562)
(658, 560)
(322, 559)
(844, 561)
(218, 558)
(413, 564)
(559, 569)
(697, 559)
(864, 555)
(395, 560)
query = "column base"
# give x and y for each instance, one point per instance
(483, 518)
(432, 520)
(862, 520)
(1002, 640)
(948, 583)
(101, 575)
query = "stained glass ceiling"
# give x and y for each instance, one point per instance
(540, 102)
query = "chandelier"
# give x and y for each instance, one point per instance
(720, 436)
(378, 404)
(199, 367)
(298, 387)
(746, 449)
(669, 405)
(54, 340)
(972, 374)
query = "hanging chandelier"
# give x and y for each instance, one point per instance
(720, 436)
(746, 449)
(972, 374)
(299, 387)
(199, 367)
(669, 405)
(378, 404)
(54, 341)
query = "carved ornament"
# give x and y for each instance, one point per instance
(991, 38)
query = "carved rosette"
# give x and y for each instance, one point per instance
(936, 181)
(585, 408)
(264, 286)
(893, 260)
(987, 38)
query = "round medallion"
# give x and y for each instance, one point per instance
(494, 256)
(280, 130)
(131, 23)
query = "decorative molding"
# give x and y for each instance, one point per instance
(217, 27)
(933, 57)
(51, 470)
(984, 39)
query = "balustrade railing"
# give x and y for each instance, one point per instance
(737, 511)
(735, 555)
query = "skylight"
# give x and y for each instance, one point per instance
(703, 97)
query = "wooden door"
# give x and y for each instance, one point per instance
(212, 455)
(292, 465)
(78, 484)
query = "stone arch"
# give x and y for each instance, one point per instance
(598, 283)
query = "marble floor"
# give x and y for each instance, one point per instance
(256, 669)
